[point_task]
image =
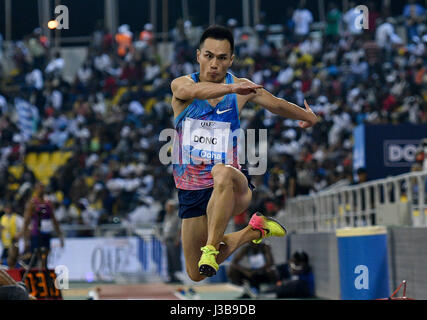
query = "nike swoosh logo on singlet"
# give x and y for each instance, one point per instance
(223, 111)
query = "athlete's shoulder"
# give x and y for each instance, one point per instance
(180, 81)
(181, 88)
(242, 80)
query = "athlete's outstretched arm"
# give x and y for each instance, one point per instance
(285, 108)
(27, 220)
(185, 89)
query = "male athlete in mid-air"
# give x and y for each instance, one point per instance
(211, 190)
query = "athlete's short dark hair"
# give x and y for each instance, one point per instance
(218, 33)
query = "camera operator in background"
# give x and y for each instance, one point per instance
(296, 278)
(258, 270)
(39, 222)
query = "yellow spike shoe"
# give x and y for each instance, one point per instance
(207, 263)
(268, 226)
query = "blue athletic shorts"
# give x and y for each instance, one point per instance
(42, 242)
(193, 203)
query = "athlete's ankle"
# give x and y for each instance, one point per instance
(211, 245)
(251, 233)
(257, 233)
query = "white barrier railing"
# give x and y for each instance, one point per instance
(399, 200)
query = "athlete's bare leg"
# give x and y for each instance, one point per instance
(235, 240)
(209, 229)
(193, 238)
(194, 232)
(231, 195)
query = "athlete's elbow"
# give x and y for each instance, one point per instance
(181, 91)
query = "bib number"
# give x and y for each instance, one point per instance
(205, 141)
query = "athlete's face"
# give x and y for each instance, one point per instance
(39, 190)
(214, 58)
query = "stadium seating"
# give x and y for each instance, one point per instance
(45, 164)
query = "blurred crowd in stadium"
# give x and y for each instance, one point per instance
(111, 115)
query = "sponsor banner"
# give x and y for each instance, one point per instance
(400, 153)
(363, 263)
(386, 150)
(102, 259)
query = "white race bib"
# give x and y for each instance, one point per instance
(205, 140)
(46, 226)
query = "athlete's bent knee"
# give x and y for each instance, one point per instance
(222, 176)
(219, 169)
(195, 276)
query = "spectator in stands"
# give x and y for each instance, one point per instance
(85, 73)
(333, 19)
(288, 23)
(349, 19)
(237, 33)
(34, 80)
(386, 35)
(180, 37)
(259, 266)
(302, 18)
(55, 66)
(37, 49)
(414, 14)
(11, 225)
(147, 35)
(123, 40)
(144, 213)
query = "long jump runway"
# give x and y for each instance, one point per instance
(155, 291)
